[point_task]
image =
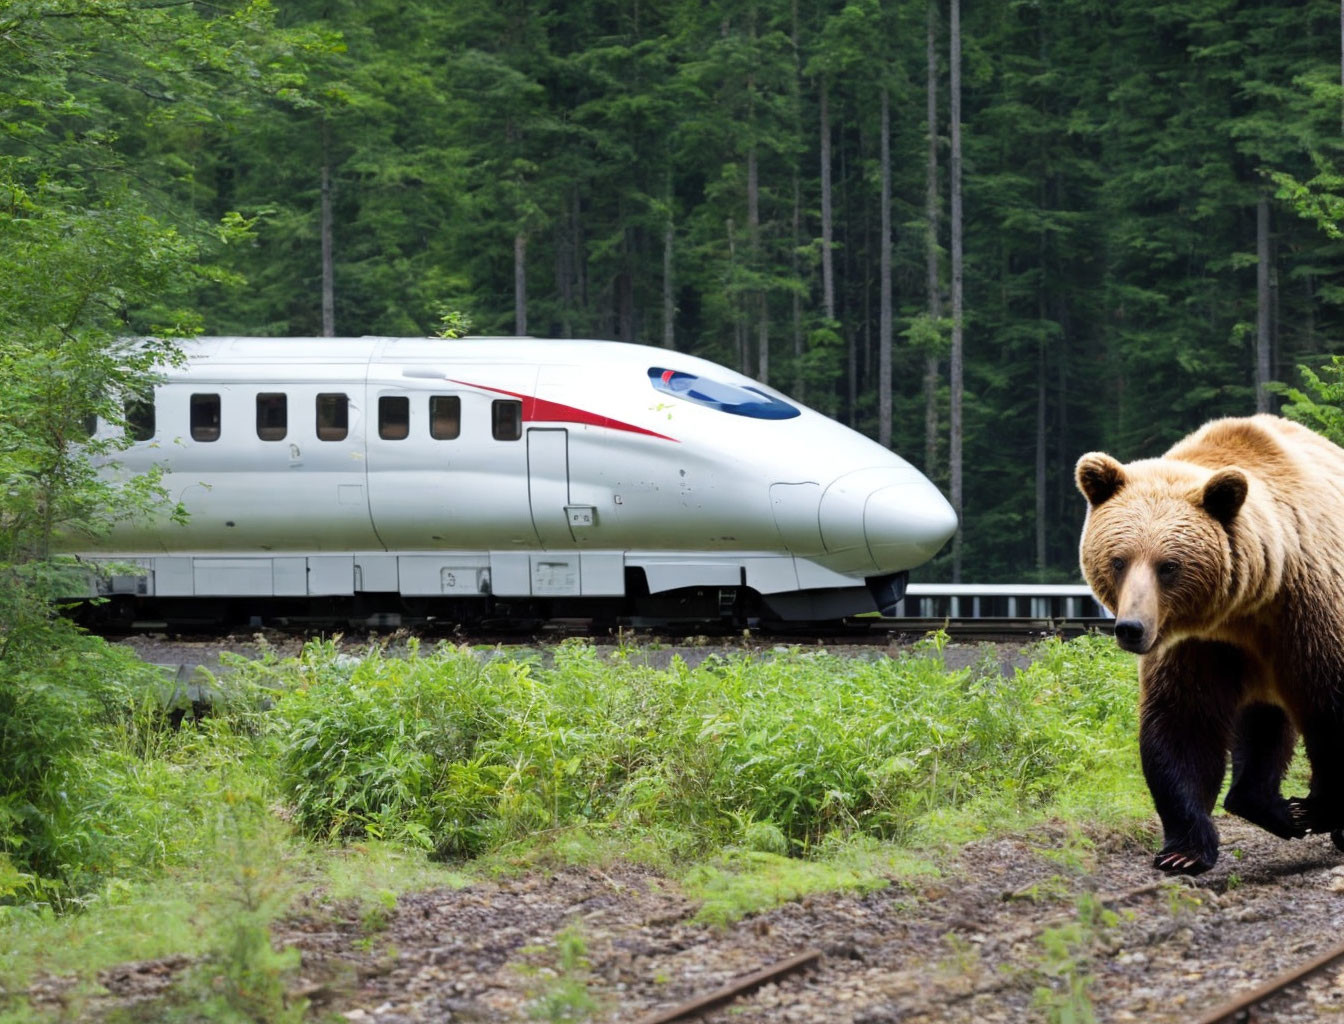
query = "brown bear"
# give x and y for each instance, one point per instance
(1223, 563)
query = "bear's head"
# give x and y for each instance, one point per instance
(1156, 547)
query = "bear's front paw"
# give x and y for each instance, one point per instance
(1313, 815)
(1183, 862)
(1190, 852)
(1189, 849)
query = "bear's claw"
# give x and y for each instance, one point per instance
(1312, 817)
(1178, 863)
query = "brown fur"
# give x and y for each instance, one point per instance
(1223, 561)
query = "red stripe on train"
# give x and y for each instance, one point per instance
(544, 411)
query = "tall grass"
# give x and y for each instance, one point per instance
(459, 753)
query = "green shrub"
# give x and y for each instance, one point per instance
(460, 753)
(61, 696)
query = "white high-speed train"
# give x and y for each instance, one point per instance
(485, 477)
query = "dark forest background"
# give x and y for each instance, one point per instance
(1116, 195)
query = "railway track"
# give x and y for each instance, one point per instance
(1241, 1006)
(856, 630)
(181, 654)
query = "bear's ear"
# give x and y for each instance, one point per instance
(1099, 476)
(1224, 493)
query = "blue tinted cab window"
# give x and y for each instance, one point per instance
(734, 398)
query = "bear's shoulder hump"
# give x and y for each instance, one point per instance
(1252, 442)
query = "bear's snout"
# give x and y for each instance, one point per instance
(1132, 635)
(1138, 613)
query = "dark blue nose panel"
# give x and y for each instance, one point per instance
(734, 398)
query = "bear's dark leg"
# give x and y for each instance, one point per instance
(1261, 749)
(1190, 693)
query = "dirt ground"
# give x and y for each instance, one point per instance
(1027, 928)
(1015, 929)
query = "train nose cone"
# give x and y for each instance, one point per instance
(907, 524)
(883, 520)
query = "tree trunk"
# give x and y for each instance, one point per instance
(852, 379)
(763, 339)
(827, 228)
(931, 242)
(520, 284)
(580, 255)
(795, 269)
(957, 356)
(1262, 305)
(328, 263)
(1041, 441)
(564, 275)
(851, 273)
(669, 303)
(759, 304)
(734, 301)
(884, 286)
(625, 289)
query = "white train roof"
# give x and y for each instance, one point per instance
(253, 351)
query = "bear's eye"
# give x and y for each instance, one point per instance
(1117, 565)
(1168, 571)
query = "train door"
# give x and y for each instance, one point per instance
(548, 485)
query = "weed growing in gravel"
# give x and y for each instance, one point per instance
(564, 997)
(739, 882)
(239, 977)
(1065, 965)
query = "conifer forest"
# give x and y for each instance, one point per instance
(992, 235)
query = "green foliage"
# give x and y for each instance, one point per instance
(142, 804)
(742, 764)
(1320, 199)
(1319, 404)
(96, 249)
(60, 692)
(739, 882)
(1068, 953)
(453, 324)
(244, 977)
(565, 997)
(461, 754)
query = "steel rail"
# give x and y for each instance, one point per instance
(731, 991)
(1241, 1003)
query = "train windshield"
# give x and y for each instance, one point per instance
(734, 398)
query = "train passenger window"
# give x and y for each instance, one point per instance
(506, 419)
(333, 417)
(272, 416)
(90, 424)
(445, 417)
(205, 417)
(139, 419)
(394, 417)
